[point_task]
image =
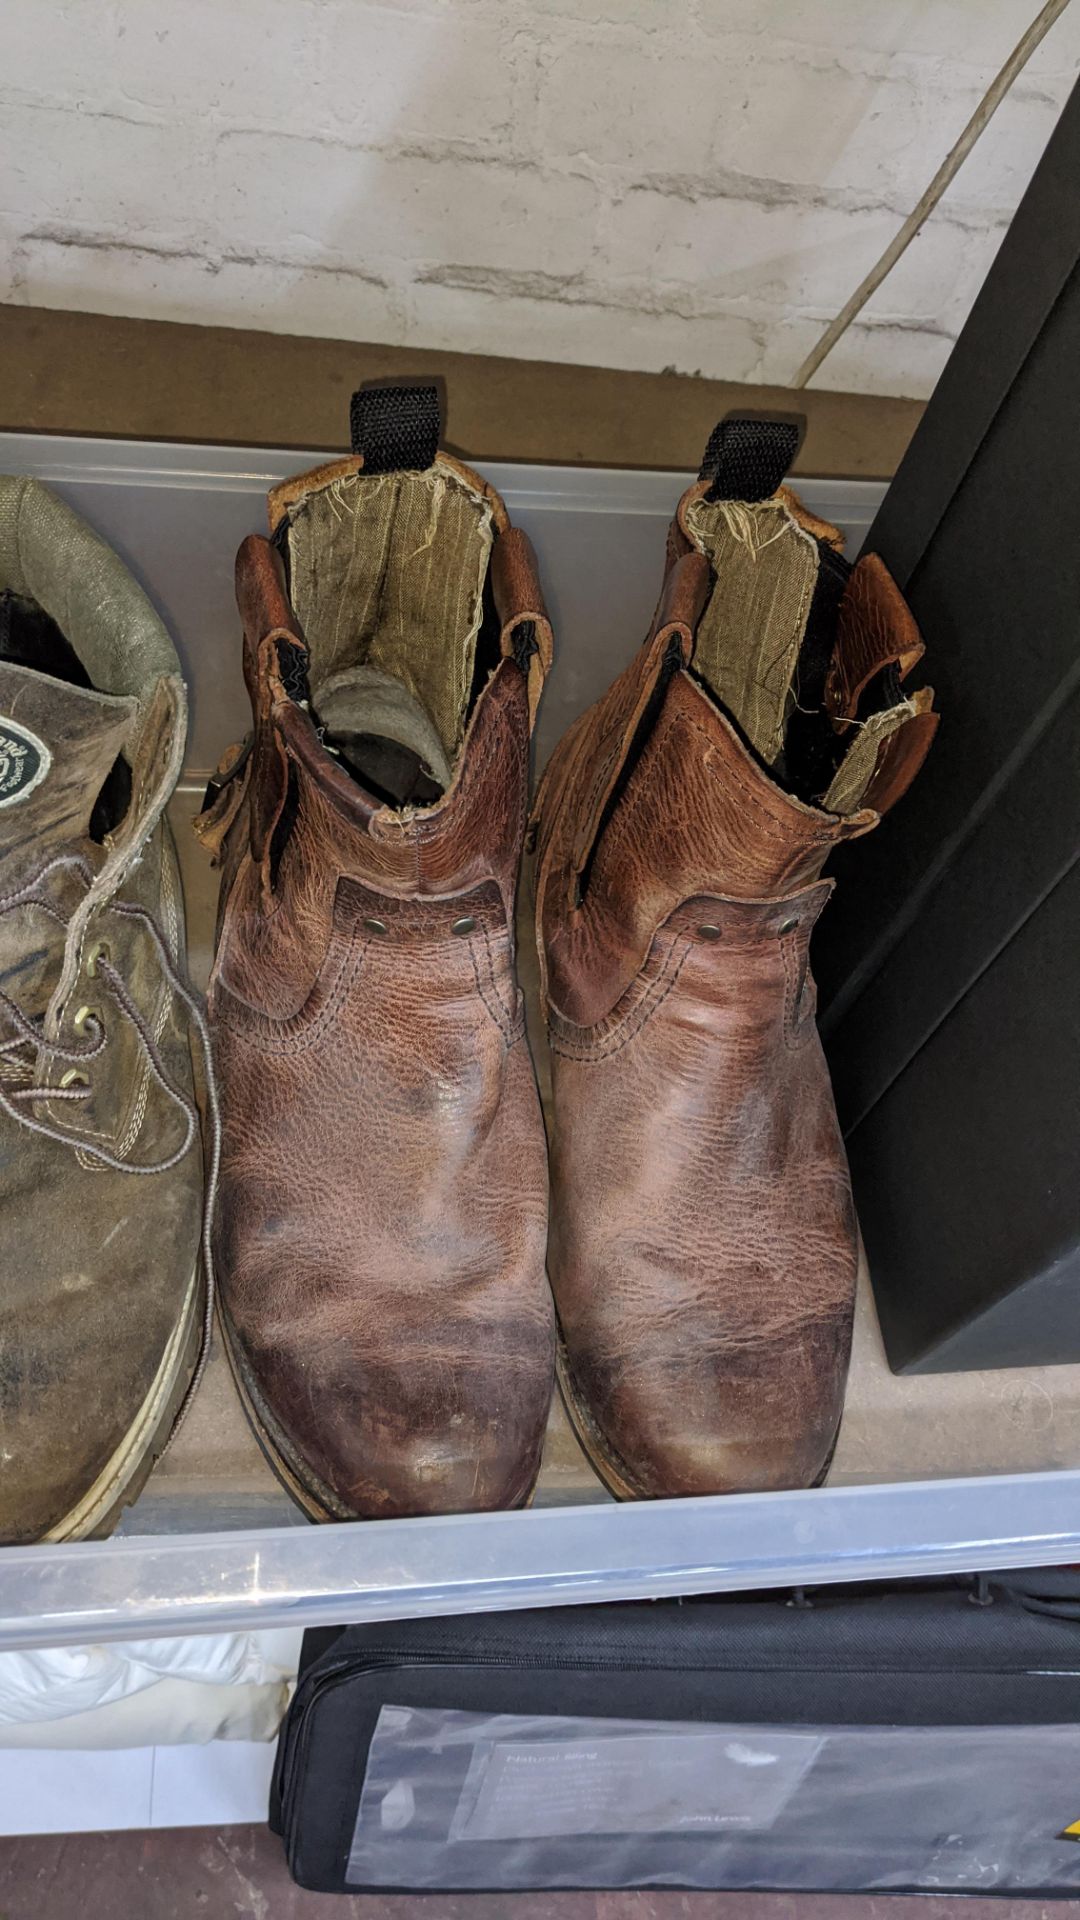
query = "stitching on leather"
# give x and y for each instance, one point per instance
(796, 1030)
(556, 804)
(604, 752)
(607, 751)
(644, 983)
(425, 828)
(631, 1024)
(619, 826)
(600, 780)
(505, 1016)
(606, 745)
(515, 1012)
(816, 834)
(505, 723)
(508, 1027)
(556, 844)
(298, 1041)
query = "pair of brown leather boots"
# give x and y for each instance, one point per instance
(383, 1215)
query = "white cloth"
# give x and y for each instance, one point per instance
(151, 1692)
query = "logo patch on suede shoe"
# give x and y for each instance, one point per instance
(24, 762)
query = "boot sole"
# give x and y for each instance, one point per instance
(130, 1467)
(309, 1493)
(272, 1442)
(605, 1464)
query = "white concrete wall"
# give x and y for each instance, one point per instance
(696, 184)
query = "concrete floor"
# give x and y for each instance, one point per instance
(238, 1873)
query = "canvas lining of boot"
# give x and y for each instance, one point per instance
(746, 649)
(488, 655)
(769, 632)
(387, 572)
(764, 645)
(812, 749)
(31, 638)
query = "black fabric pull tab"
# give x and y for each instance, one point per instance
(395, 428)
(749, 454)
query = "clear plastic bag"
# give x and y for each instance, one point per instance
(473, 1801)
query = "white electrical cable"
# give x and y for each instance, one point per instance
(987, 106)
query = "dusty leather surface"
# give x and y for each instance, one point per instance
(703, 1243)
(381, 1227)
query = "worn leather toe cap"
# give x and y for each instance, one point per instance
(385, 1443)
(698, 1428)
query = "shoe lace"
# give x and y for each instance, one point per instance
(16, 1101)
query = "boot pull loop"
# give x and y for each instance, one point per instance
(875, 630)
(395, 427)
(686, 589)
(260, 589)
(223, 799)
(748, 455)
(265, 609)
(525, 630)
(276, 670)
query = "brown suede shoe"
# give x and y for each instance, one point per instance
(381, 1228)
(102, 1308)
(703, 1238)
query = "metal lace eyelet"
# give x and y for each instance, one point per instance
(73, 1078)
(789, 926)
(99, 951)
(86, 1016)
(373, 925)
(465, 925)
(709, 932)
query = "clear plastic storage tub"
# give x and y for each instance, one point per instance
(932, 1473)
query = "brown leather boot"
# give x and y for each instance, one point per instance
(381, 1228)
(703, 1238)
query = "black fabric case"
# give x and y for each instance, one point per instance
(956, 1654)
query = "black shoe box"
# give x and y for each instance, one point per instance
(949, 960)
